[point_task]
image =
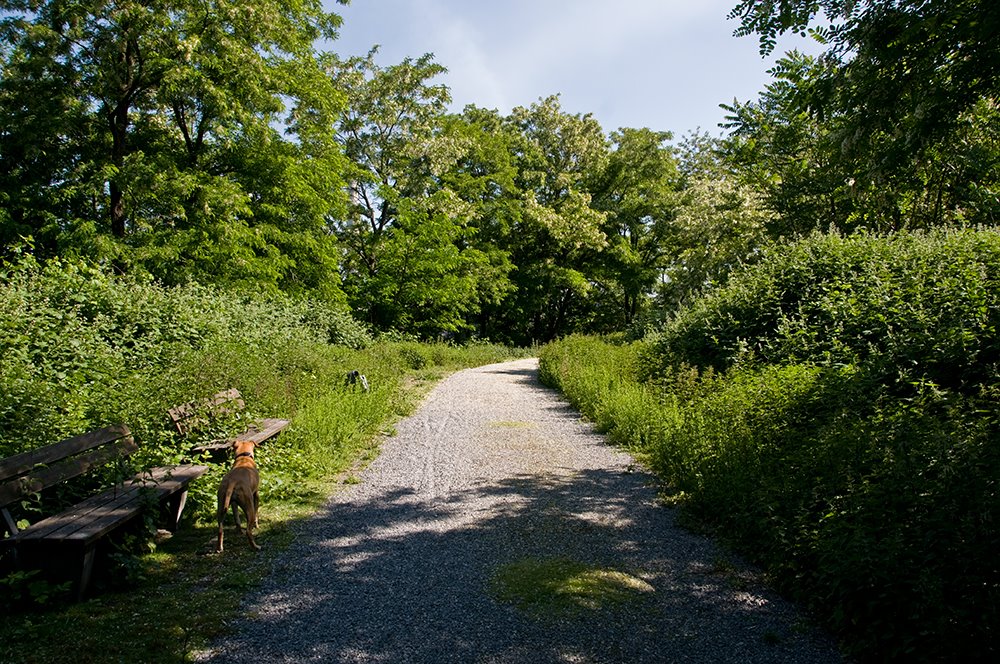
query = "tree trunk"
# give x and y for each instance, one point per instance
(130, 65)
(119, 129)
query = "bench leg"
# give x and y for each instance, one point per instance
(175, 506)
(86, 568)
(8, 523)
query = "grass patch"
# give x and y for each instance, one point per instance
(867, 494)
(181, 596)
(562, 587)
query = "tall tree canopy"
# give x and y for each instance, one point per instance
(410, 259)
(637, 190)
(904, 100)
(557, 229)
(146, 132)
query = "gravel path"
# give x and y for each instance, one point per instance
(492, 470)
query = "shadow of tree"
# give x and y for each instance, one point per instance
(395, 574)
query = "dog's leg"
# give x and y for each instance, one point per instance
(251, 513)
(256, 509)
(225, 495)
(236, 517)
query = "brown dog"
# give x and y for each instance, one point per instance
(240, 488)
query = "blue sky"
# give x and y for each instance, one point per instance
(663, 64)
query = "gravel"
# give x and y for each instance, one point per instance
(494, 469)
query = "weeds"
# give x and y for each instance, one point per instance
(848, 446)
(82, 349)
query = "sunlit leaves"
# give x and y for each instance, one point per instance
(165, 121)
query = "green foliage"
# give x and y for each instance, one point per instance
(637, 190)
(147, 136)
(26, 587)
(577, 215)
(412, 259)
(83, 349)
(910, 307)
(831, 412)
(718, 226)
(891, 128)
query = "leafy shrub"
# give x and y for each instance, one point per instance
(908, 307)
(878, 511)
(79, 343)
(83, 348)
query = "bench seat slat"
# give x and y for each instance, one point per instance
(58, 525)
(266, 429)
(93, 518)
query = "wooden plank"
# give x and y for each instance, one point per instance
(194, 415)
(110, 516)
(268, 429)
(59, 525)
(86, 569)
(44, 477)
(22, 463)
(9, 525)
(264, 431)
(93, 518)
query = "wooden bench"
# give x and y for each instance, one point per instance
(198, 415)
(65, 544)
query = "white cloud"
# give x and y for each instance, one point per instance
(472, 76)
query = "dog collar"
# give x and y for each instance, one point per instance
(243, 454)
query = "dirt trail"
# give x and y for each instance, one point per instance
(495, 474)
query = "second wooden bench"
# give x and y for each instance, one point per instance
(200, 414)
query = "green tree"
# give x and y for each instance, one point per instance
(784, 152)
(411, 259)
(719, 224)
(156, 120)
(903, 85)
(581, 216)
(557, 231)
(638, 192)
(940, 56)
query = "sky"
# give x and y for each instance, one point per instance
(662, 64)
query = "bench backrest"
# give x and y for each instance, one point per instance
(29, 472)
(197, 414)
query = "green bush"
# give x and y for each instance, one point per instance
(83, 349)
(79, 345)
(909, 307)
(878, 510)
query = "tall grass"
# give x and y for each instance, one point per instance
(859, 468)
(83, 348)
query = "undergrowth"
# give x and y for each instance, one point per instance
(832, 413)
(83, 349)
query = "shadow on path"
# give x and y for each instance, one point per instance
(387, 574)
